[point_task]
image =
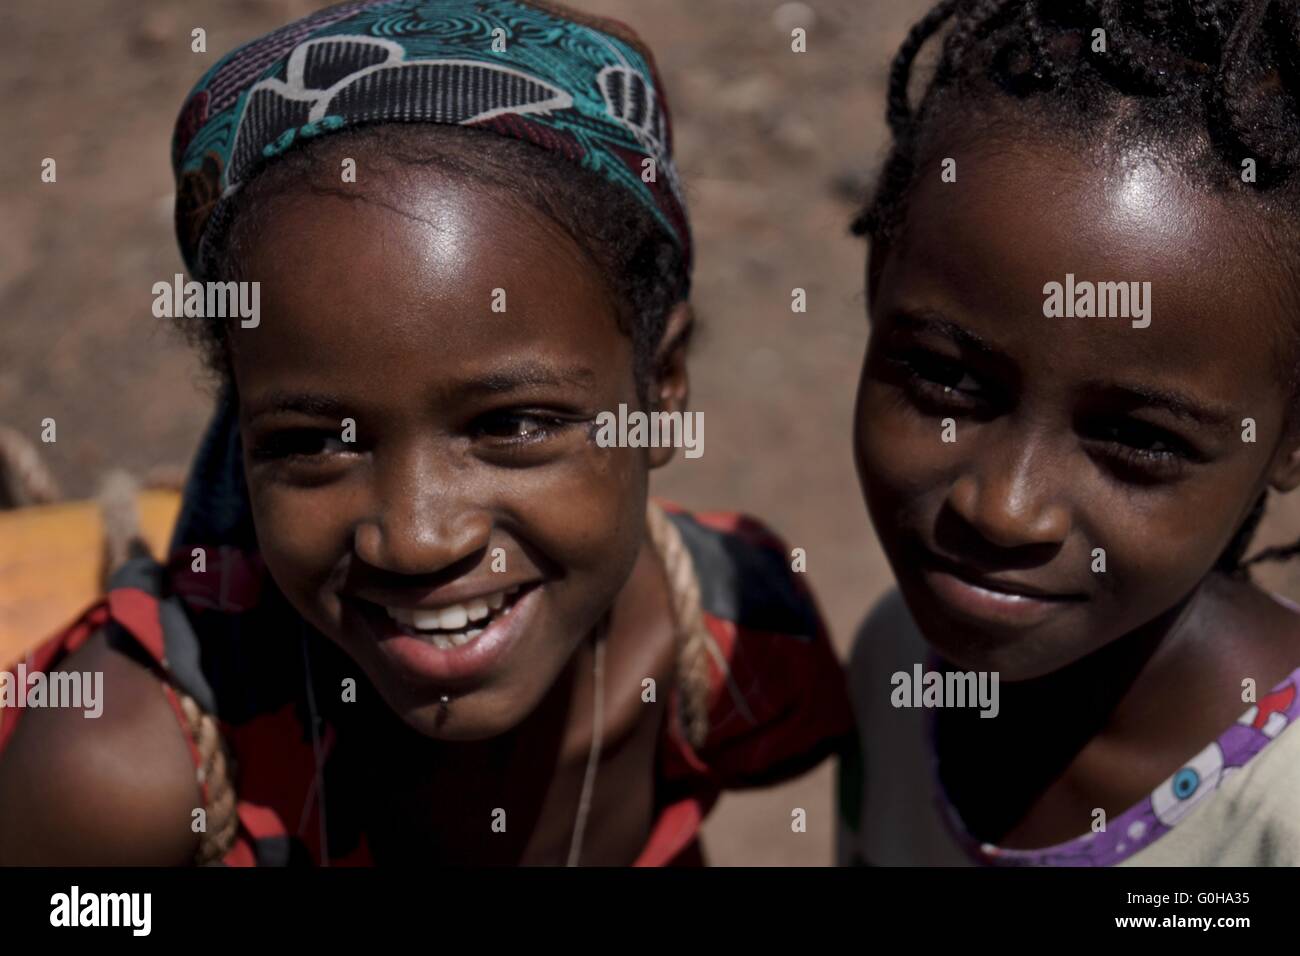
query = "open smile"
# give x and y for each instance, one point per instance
(455, 625)
(453, 642)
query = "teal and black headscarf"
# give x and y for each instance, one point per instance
(567, 82)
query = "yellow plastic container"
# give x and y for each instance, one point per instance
(50, 564)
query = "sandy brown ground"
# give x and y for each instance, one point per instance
(774, 148)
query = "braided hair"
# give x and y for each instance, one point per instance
(1212, 83)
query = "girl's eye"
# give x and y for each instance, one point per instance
(510, 427)
(1143, 451)
(301, 444)
(937, 380)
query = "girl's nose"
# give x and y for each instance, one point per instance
(423, 523)
(421, 537)
(1013, 500)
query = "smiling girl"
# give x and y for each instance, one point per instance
(415, 612)
(1066, 500)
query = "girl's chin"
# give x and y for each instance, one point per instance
(1012, 661)
(465, 719)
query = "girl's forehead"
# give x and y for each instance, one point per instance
(1060, 207)
(426, 234)
(425, 277)
(1038, 253)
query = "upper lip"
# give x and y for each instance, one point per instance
(443, 597)
(999, 583)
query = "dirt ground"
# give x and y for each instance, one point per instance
(774, 147)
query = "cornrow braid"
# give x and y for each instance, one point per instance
(1219, 76)
(1209, 18)
(1039, 42)
(1141, 62)
(1251, 123)
(899, 113)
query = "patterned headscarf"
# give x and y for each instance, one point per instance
(581, 86)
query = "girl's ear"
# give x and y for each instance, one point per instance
(1286, 470)
(670, 389)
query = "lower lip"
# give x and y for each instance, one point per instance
(465, 664)
(993, 607)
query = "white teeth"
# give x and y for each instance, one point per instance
(424, 620)
(453, 618)
(461, 638)
(442, 643)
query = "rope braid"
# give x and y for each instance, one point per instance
(1220, 75)
(695, 645)
(24, 478)
(121, 520)
(214, 781)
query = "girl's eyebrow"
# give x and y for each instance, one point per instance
(306, 403)
(1176, 403)
(525, 374)
(520, 375)
(924, 320)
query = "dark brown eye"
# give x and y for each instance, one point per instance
(940, 371)
(936, 382)
(518, 426)
(1139, 452)
(299, 443)
(1143, 437)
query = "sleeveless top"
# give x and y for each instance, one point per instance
(229, 640)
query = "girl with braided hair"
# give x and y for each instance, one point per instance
(415, 612)
(1066, 496)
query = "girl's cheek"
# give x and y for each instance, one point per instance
(902, 452)
(1156, 547)
(301, 536)
(590, 512)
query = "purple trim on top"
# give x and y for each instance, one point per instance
(1155, 815)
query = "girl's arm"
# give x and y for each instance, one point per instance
(118, 789)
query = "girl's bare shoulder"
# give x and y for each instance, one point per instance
(117, 788)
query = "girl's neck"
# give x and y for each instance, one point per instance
(1095, 689)
(1109, 728)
